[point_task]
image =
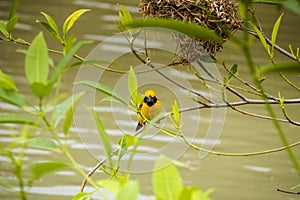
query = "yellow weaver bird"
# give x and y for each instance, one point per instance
(148, 109)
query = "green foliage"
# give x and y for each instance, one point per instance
(6, 82)
(190, 29)
(43, 143)
(103, 136)
(125, 16)
(51, 26)
(12, 97)
(42, 168)
(37, 67)
(15, 119)
(176, 116)
(274, 34)
(104, 89)
(166, 181)
(136, 99)
(69, 22)
(129, 191)
(65, 110)
(282, 67)
(3, 29)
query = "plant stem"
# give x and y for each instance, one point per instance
(251, 66)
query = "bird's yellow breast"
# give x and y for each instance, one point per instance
(150, 107)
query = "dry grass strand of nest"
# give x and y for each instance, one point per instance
(217, 15)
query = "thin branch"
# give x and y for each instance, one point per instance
(288, 118)
(288, 192)
(289, 82)
(269, 42)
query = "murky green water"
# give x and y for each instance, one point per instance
(254, 177)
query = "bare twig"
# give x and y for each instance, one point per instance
(288, 192)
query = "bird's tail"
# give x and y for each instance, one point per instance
(139, 126)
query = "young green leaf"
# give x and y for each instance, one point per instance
(3, 29)
(103, 136)
(51, 26)
(69, 22)
(14, 8)
(176, 112)
(111, 185)
(166, 180)
(262, 39)
(81, 196)
(191, 29)
(129, 191)
(193, 193)
(43, 144)
(6, 82)
(125, 15)
(42, 168)
(287, 67)
(69, 43)
(296, 186)
(11, 24)
(15, 119)
(36, 62)
(41, 89)
(12, 97)
(274, 34)
(104, 89)
(133, 87)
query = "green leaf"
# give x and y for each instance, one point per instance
(130, 140)
(129, 191)
(6, 82)
(111, 185)
(69, 22)
(15, 119)
(51, 31)
(193, 193)
(43, 144)
(36, 62)
(176, 112)
(3, 29)
(282, 67)
(81, 196)
(166, 181)
(41, 89)
(103, 136)
(262, 39)
(104, 89)
(65, 110)
(65, 60)
(12, 97)
(133, 87)
(12, 23)
(191, 29)
(42, 168)
(51, 26)
(293, 5)
(296, 186)
(274, 34)
(14, 8)
(125, 16)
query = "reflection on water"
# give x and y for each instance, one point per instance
(255, 177)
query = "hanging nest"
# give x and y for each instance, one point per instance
(217, 15)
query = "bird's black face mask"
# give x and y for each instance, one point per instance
(150, 100)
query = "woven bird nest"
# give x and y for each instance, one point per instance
(217, 15)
